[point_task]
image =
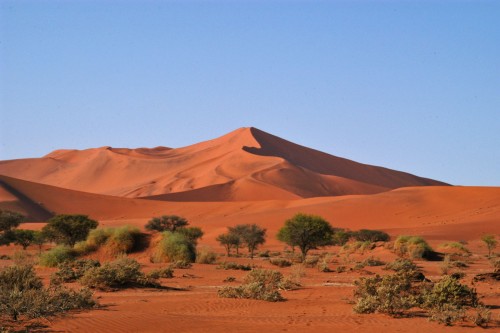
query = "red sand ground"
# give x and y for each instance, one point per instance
(248, 176)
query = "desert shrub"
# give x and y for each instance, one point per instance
(401, 265)
(166, 223)
(450, 291)
(365, 235)
(70, 271)
(371, 261)
(340, 269)
(390, 294)
(22, 258)
(341, 237)
(165, 273)
(481, 316)
(311, 261)
(280, 262)
(234, 266)
(181, 264)
(121, 273)
(259, 284)
(4, 257)
(97, 237)
(83, 248)
(206, 256)
(358, 246)
(69, 229)
(22, 295)
(412, 246)
(175, 247)
(57, 255)
(229, 279)
(455, 247)
(122, 240)
(264, 254)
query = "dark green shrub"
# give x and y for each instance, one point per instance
(23, 237)
(166, 223)
(280, 262)
(69, 229)
(234, 266)
(121, 273)
(258, 284)
(98, 237)
(57, 255)
(365, 235)
(9, 221)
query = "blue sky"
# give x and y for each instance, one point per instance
(409, 85)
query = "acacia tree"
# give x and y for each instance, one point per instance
(69, 229)
(166, 223)
(8, 221)
(23, 237)
(307, 232)
(490, 242)
(249, 234)
(229, 240)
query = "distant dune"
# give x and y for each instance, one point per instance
(442, 212)
(244, 165)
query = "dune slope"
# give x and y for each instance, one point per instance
(246, 164)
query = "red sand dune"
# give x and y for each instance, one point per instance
(246, 164)
(441, 212)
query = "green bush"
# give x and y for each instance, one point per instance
(413, 247)
(98, 237)
(365, 235)
(121, 273)
(259, 284)
(234, 266)
(122, 240)
(280, 262)
(358, 246)
(175, 247)
(206, 256)
(22, 295)
(57, 255)
(390, 294)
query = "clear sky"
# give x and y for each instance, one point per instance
(409, 85)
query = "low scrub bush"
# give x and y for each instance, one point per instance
(412, 246)
(206, 256)
(234, 266)
(280, 262)
(22, 296)
(57, 255)
(456, 248)
(174, 247)
(121, 273)
(390, 294)
(358, 246)
(371, 261)
(161, 273)
(259, 284)
(70, 271)
(401, 265)
(365, 235)
(311, 261)
(122, 240)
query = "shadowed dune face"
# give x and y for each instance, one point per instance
(246, 164)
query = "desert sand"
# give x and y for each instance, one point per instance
(248, 176)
